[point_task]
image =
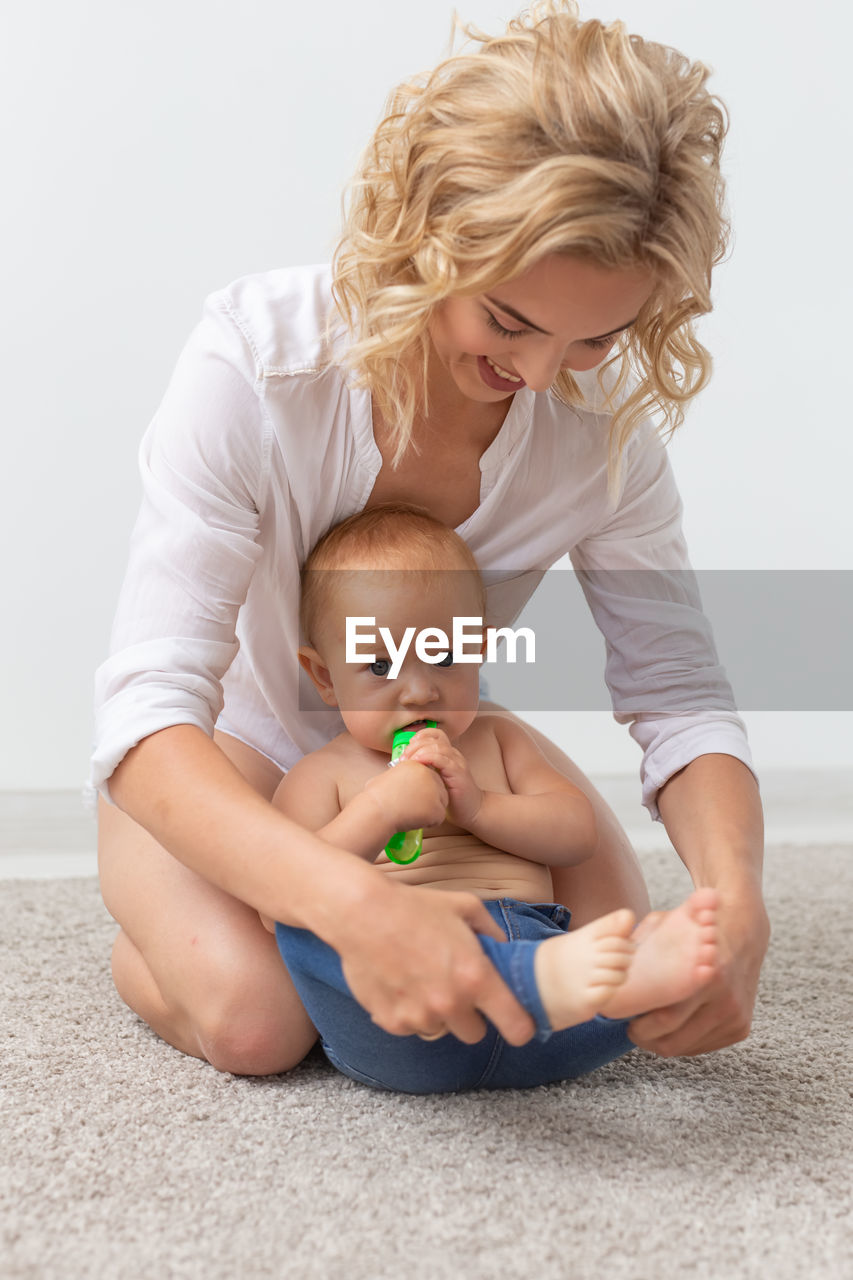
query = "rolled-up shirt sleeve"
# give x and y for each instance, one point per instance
(662, 668)
(204, 462)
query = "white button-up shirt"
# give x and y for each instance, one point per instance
(257, 449)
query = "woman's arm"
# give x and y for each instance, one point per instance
(666, 680)
(712, 813)
(179, 786)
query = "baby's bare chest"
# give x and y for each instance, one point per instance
(453, 858)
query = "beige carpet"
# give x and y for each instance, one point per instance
(120, 1158)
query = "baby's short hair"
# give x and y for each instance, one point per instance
(392, 535)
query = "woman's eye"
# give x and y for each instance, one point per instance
(499, 328)
(446, 661)
(380, 668)
(596, 344)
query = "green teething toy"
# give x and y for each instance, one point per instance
(404, 846)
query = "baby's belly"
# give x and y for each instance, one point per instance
(462, 862)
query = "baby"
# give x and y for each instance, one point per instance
(496, 816)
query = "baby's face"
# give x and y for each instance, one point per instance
(373, 704)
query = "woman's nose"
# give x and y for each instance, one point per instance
(539, 368)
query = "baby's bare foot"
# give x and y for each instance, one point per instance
(647, 925)
(579, 973)
(674, 958)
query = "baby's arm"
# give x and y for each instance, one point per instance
(546, 818)
(309, 794)
(395, 800)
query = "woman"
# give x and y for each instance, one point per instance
(526, 211)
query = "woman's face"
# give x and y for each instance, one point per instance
(563, 313)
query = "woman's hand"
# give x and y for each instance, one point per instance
(409, 795)
(721, 1014)
(713, 816)
(412, 960)
(433, 747)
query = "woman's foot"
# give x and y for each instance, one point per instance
(602, 968)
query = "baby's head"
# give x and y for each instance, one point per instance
(379, 580)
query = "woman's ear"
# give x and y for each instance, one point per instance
(312, 662)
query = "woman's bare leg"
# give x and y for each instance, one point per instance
(194, 963)
(610, 879)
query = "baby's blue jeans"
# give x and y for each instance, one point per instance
(363, 1051)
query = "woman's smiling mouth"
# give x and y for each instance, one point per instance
(503, 373)
(496, 377)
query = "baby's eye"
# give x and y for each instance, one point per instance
(446, 661)
(380, 668)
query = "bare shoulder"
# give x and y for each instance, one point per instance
(490, 738)
(342, 747)
(321, 769)
(310, 792)
(527, 769)
(481, 731)
(316, 762)
(500, 730)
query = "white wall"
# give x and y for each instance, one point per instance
(155, 152)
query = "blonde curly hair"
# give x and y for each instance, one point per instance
(561, 136)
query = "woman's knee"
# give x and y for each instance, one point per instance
(248, 1017)
(254, 1045)
(219, 990)
(253, 1025)
(243, 1022)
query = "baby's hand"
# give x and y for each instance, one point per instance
(433, 747)
(410, 795)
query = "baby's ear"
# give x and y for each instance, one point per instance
(312, 662)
